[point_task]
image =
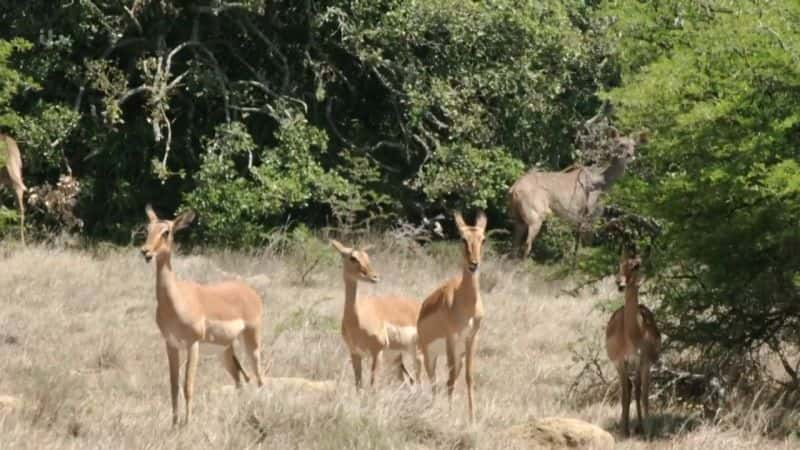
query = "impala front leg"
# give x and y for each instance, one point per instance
(470, 348)
(191, 369)
(453, 366)
(429, 359)
(173, 354)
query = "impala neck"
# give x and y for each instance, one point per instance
(470, 283)
(350, 288)
(165, 277)
(631, 310)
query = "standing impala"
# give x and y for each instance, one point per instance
(371, 326)
(189, 313)
(451, 316)
(633, 342)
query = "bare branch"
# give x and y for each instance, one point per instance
(131, 92)
(177, 80)
(216, 10)
(168, 144)
(133, 19)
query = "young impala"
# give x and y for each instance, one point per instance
(189, 313)
(451, 316)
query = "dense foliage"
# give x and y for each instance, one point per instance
(254, 112)
(718, 84)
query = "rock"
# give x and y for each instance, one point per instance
(258, 280)
(8, 402)
(563, 432)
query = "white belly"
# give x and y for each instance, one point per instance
(398, 337)
(223, 332)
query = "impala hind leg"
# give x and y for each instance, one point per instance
(401, 369)
(355, 360)
(174, 356)
(625, 397)
(645, 422)
(376, 363)
(193, 353)
(252, 346)
(232, 366)
(417, 356)
(637, 397)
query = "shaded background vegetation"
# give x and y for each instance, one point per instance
(258, 113)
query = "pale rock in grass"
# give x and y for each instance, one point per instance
(563, 432)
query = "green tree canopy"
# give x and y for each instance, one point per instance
(718, 84)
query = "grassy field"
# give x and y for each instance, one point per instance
(82, 364)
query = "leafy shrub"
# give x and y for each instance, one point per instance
(237, 195)
(466, 177)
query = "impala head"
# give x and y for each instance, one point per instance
(625, 146)
(629, 266)
(160, 232)
(356, 263)
(472, 238)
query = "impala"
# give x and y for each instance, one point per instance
(633, 342)
(451, 316)
(372, 326)
(189, 313)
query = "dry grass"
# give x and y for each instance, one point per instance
(80, 350)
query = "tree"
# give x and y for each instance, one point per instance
(718, 84)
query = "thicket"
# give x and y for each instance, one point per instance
(326, 113)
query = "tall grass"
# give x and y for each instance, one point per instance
(80, 350)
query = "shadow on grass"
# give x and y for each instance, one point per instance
(662, 427)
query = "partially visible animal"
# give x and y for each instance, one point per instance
(572, 194)
(451, 316)
(374, 326)
(633, 342)
(11, 176)
(188, 313)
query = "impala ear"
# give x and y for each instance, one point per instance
(480, 221)
(183, 220)
(345, 251)
(367, 247)
(151, 215)
(459, 220)
(612, 133)
(642, 137)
